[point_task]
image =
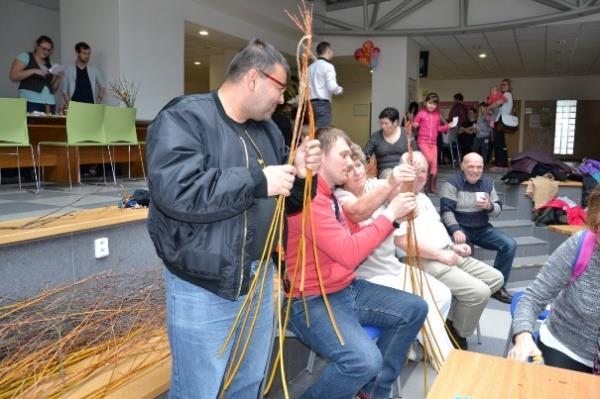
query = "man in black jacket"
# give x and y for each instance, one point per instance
(216, 162)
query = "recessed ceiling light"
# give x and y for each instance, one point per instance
(482, 55)
(203, 32)
(197, 63)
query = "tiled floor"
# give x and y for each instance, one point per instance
(54, 199)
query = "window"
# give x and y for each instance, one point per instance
(564, 131)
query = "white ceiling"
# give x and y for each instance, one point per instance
(519, 37)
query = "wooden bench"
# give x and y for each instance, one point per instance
(23, 230)
(565, 228)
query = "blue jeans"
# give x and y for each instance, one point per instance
(496, 240)
(198, 322)
(360, 362)
(322, 110)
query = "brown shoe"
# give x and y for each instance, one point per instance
(502, 295)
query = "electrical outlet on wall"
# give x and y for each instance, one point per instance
(101, 247)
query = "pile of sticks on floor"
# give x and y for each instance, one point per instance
(52, 342)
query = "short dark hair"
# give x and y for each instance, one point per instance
(433, 97)
(459, 97)
(258, 55)
(413, 108)
(81, 46)
(44, 39)
(322, 47)
(390, 113)
(472, 109)
(327, 136)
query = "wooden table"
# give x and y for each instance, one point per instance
(565, 228)
(53, 128)
(477, 376)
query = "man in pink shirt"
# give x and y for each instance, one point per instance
(360, 364)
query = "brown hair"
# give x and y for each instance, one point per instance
(357, 154)
(327, 136)
(592, 219)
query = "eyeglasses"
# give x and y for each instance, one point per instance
(48, 49)
(283, 86)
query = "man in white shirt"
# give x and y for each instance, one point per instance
(322, 84)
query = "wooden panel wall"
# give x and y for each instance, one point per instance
(587, 130)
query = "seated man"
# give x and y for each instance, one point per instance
(467, 201)
(362, 201)
(358, 362)
(470, 281)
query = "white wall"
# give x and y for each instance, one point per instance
(20, 25)
(550, 88)
(151, 43)
(95, 23)
(390, 83)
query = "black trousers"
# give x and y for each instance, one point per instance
(555, 358)
(500, 150)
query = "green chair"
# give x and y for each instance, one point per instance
(119, 127)
(85, 128)
(14, 133)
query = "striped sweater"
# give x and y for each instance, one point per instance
(458, 206)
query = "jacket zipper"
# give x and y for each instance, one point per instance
(245, 229)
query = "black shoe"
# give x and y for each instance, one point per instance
(457, 341)
(502, 295)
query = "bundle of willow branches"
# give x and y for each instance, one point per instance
(50, 343)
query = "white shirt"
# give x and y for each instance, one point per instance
(321, 80)
(428, 225)
(507, 106)
(382, 260)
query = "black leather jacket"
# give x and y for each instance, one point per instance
(203, 189)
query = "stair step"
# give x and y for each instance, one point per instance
(523, 262)
(514, 228)
(526, 246)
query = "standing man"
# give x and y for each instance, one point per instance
(467, 201)
(323, 85)
(83, 82)
(216, 162)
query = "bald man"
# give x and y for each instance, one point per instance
(468, 199)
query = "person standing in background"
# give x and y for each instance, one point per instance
(36, 83)
(430, 122)
(506, 106)
(83, 82)
(323, 85)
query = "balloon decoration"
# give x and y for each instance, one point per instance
(368, 55)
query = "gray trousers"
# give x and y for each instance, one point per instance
(471, 283)
(481, 146)
(322, 110)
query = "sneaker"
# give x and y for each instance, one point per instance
(415, 353)
(362, 394)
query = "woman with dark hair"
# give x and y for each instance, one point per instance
(570, 280)
(389, 143)
(503, 119)
(36, 83)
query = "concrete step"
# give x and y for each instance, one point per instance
(526, 246)
(514, 228)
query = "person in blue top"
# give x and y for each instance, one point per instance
(36, 83)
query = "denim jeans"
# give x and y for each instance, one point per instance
(198, 322)
(494, 239)
(360, 362)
